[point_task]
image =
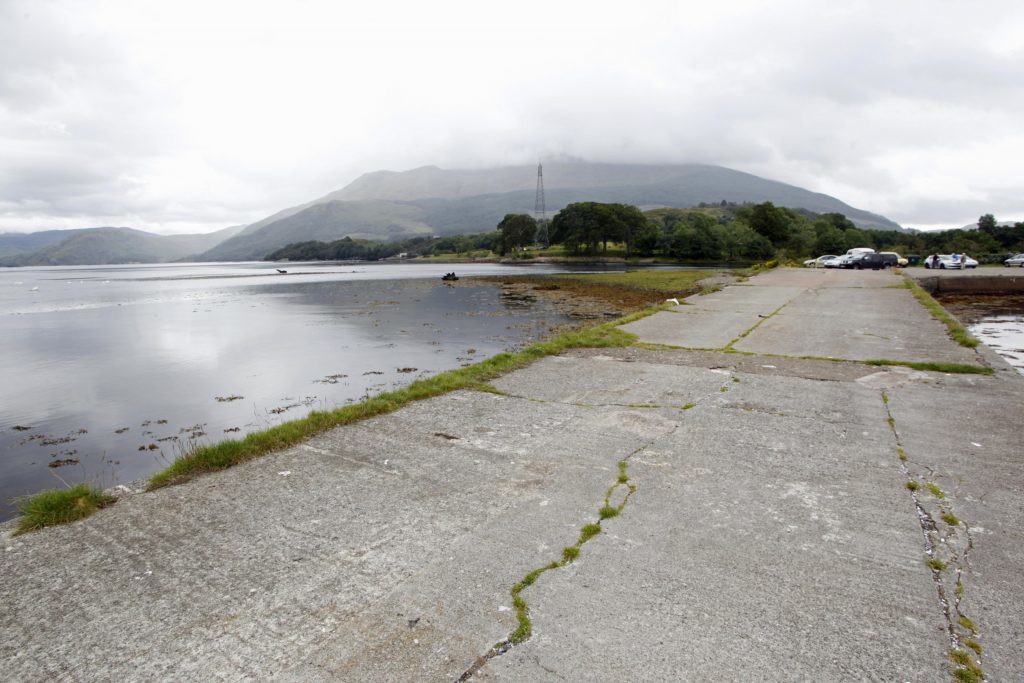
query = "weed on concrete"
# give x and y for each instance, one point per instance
(61, 506)
(950, 368)
(524, 627)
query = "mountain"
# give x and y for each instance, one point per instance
(12, 243)
(92, 246)
(388, 205)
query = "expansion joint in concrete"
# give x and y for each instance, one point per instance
(753, 327)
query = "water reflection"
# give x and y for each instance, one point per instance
(112, 372)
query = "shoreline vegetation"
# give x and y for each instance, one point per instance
(624, 296)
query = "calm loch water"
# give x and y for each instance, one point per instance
(108, 373)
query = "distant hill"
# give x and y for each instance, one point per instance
(12, 243)
(388, 205)
(92, 246)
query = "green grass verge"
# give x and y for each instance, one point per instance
(957, 331)
(61, 506)
(232, 452)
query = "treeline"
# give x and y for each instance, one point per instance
(758, 231)
(348, 249)
(721, 232)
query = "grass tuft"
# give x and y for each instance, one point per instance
(973, 644)
(61, 506)
(936, 564)
(950, 519)
(967, 623)
(912, 485)
(588, 532)
(967, 670)
(902, 453)
(935, 490)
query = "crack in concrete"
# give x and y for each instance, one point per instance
(943, 553)
(524, 630)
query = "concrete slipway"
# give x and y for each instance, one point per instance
(771, 536)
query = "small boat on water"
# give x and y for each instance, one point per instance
(450, 277)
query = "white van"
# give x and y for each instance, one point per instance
(846, 260)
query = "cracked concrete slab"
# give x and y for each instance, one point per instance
(971, 449)
(745, 554)
(771, 535)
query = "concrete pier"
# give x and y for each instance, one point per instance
(772, 535)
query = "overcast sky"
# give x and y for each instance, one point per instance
(191, 115)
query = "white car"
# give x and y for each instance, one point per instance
(946, 261)
(1016, 260)
(820, 262)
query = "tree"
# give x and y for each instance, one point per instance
(584, 226)
(828, 238)
(740, 241)
(987, 223)
(517, 230)
(769, 220)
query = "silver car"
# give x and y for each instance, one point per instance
(1015, 260)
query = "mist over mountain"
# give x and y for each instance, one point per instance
(389, 205)
(95, 246)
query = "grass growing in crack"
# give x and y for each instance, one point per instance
(935, 490)
(524, 627)
(912, 485)
(967, 670)
(950, 519)
(973, 644)
(966, 622)
(900, 452)
(729, 347)
(936, 564)
(950, 368)
(957, 331)
(61, 506)
(689, 405)
(233, 452)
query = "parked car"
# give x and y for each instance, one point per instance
(873, 261)
(820, 261)
(846, 260)
(900, 261)
(1016, 260)
(945, 261)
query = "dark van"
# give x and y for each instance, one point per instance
(874, 261)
